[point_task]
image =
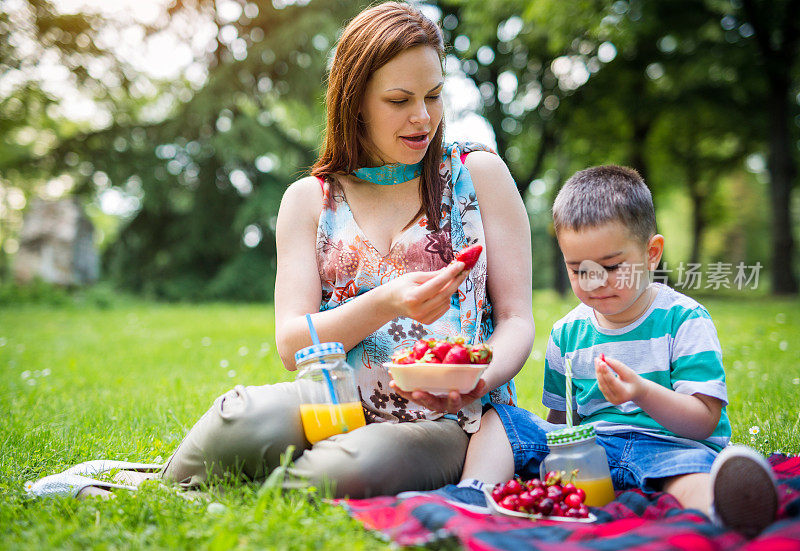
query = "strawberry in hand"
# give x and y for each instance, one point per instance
(469, 256)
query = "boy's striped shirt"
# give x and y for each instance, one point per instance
(674, 343)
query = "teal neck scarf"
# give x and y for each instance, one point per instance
(389, 175)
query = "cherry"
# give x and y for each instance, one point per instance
(510, 502)
(534, 483)
(558, 510)
(584, 511)
(573, 501)
(580, 492)
(555, 493)
(513, 486)
(569, 488)
(527, 501)
(545, 506)
(538, 493)
(553, 477)
(497, 494)
(573, 513)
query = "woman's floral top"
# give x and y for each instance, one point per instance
(349, 265)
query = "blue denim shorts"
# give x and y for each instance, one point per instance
(636, 460)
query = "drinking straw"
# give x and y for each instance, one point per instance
(568, 375)
(315, 340)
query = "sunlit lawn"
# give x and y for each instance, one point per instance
(127, 382)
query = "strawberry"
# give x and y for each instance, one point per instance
(419, 348)
(458, 354)
(480, 353)
(440, 349)
(469, 256)
(429, 358)
(403, 357)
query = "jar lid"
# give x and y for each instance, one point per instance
(571, 435)
(316, 351)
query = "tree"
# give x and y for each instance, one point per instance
(31, 123)
(614, 72)
(775, 27)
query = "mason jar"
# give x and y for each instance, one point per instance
(330, 403)
(575, 451)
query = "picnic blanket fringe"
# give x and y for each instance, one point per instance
(633, 521)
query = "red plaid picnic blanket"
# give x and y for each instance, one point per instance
(634, 521)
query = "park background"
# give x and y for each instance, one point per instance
(176, 127)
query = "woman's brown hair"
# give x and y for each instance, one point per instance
(372, 39)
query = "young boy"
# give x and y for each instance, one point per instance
(646, 366)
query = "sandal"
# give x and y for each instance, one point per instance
(67, 484)
(98, 466)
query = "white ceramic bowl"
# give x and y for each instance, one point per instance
(436, 378)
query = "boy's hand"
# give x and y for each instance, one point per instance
(625, 386)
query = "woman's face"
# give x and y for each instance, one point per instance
(402, 107)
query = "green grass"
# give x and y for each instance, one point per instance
(127, 381)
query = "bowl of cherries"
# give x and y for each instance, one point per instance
(553, 498)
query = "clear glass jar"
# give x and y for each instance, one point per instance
(575, 450)
(329, 397)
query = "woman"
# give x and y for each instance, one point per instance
(366, 243)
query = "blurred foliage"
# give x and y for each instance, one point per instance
(698, 95)
(680, 90)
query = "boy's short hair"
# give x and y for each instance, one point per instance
(603, 194)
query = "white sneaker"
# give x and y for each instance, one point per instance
(744, 496)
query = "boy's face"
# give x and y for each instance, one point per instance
(609, 269)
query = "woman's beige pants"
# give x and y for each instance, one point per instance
(248, 428)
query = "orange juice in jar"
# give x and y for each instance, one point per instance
(323, 420)
(575, 450)
(330, 403)
(599, 491)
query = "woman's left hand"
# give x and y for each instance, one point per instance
(451, 403)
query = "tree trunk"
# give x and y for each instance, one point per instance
(698, 225)
(560, 279)
(782, 174)
(637, 159)
(698, 203)
(777, 33)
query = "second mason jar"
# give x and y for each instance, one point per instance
(575, 450)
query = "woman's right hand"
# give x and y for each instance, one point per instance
(425, 296)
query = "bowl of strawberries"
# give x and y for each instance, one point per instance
(439, 366)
